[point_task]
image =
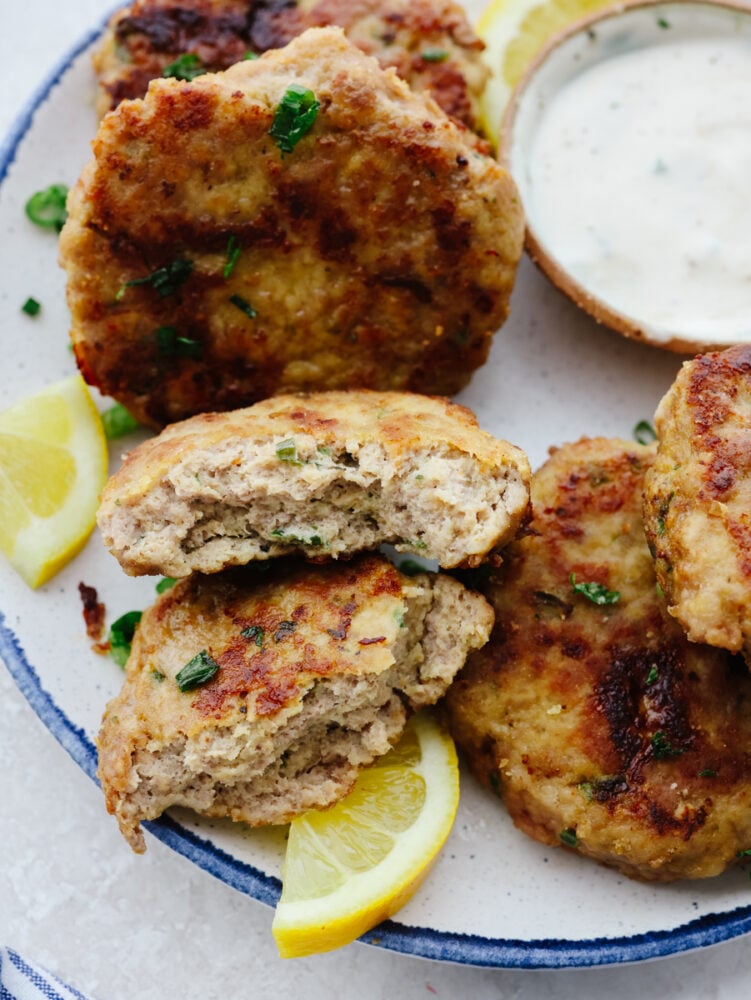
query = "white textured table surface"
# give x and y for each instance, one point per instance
(75, 899)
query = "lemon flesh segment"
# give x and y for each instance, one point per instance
(349, 867)
(53, 464)
(514, 32)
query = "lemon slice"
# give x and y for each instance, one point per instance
(53, 463)
(351, 866)
(514, 31)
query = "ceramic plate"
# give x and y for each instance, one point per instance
(494, 898)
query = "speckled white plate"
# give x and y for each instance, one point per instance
(495, 898)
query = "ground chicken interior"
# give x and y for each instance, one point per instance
(327, 475)
(318, 670)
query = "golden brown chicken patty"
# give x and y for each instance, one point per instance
(324, 475)
(259, 695)
(208, 268)
(697, 502)
(430, 43)
(599, 724)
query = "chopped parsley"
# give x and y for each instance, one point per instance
(253, 632)
(186, 67)
(243, 305)
(158, 676)
(166, 584)
(744, 854)
(31, 307)
(250, 56)
(568, 837)
(644, 432)
(121, 636)
(410, 567)
(197, 671)
(165, 280)
(118, 422)
(434, 55)
(294, 117)
(286, 451)
(662, 23)
(314, 541)
(653, 674)
(47, 208)
(708, 773)
(661, 747)
(233, 255)
(597, 593)
(169, 345)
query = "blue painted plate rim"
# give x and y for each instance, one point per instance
(423, 942)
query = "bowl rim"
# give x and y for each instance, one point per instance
(536, 248)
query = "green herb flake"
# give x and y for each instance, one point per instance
(410, 567)
(587, 789)
(243, 305)
(197, 671)
(294, 117)
(568, 837)
(434, 55)
(186, 67)
(744, 854)
(121, 636)
(659, 590)
(166, 584)
(644, 432)
(47, 208)
(708, 773)
(663, 23)
(31, 307)
(169, 345)
(165, 280)
(253, 632)
(286, 451)
(158, 676)
(661, 747)
(597, 593)
(233, 255)
(118, 422)
(653, 674)
(250, 56)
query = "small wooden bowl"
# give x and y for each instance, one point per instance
(622, 27)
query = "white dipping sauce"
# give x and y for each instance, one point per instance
(638, 180)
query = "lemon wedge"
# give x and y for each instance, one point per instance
(349, 867)
(514, 31)
(53, 463)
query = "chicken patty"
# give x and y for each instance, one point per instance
(698, 498)
(589, 712)
(430, 43)
(301, 221)
(259, 695)
(326, 475)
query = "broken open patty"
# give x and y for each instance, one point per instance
(306, 673)
(326, 474)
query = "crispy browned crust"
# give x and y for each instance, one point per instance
(143, 39)
(602, 723)
(380, 253)
(698, 498)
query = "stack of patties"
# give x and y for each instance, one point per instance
(599, 723)
(300, 222)
(430, 43)
(258, 686)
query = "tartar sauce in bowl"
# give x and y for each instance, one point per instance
(630, 141)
